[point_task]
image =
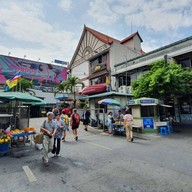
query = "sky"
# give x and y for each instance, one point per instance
(46, 30)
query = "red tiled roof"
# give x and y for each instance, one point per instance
(101, 36)
(130, 37)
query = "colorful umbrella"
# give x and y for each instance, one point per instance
(109, 102)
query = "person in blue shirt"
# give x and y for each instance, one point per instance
(58, 135)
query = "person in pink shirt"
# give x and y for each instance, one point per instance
(128, 119)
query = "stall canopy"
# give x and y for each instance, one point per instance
(19, 96)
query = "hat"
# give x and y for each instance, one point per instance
(49, 113)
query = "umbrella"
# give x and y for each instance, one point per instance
(109, 102)
(19, 96)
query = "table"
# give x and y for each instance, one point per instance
(25, 136)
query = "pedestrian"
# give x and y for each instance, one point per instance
(128, 119)
(55, 111)
(58, 135)
(75, 121)
(110, 121)
(65, 119)
(86, 120)
(49, 129)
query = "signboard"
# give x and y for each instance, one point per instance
(147, 101)
(148, 123)
(43, 74)
(131, 102)
(60, 62)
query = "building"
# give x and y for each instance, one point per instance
(97, 53)
(181, 53)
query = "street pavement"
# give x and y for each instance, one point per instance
(99, 162)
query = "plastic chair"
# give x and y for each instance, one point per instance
(163, 131)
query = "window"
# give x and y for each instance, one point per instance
(147, 111)
(99, 80)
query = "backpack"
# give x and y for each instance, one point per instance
(55, 111)
(76, 119)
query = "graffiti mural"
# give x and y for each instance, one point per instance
(43, 74)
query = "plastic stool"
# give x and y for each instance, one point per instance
(169, 129)
(163, 131)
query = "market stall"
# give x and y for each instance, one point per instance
(17, 121)
(146, 112)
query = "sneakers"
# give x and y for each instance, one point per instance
(85, 129)
(45, 162)
(58, 155)
(54, 155)
(76, 138)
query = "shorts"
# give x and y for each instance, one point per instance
(86, 122)
(74, 127)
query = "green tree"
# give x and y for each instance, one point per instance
(163, 81)
(69, 85)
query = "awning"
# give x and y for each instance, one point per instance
(162, 105)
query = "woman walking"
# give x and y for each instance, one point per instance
(128, 119)
(110, 121)
(58, 135)
(65, 119)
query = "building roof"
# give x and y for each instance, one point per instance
(104, 38)
(105, 94)
(131, 37)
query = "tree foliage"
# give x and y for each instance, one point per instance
(69, 85)
(163, 81)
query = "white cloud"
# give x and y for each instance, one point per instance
(154, 15)
(65, 5)
(24, 22)
(102, 12)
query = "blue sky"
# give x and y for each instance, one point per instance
(50, 29)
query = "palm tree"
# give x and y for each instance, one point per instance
(70, 85)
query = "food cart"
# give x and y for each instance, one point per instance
(17, 120)
(146, 112)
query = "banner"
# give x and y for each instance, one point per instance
(43, 74)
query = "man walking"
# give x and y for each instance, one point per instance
(75, 121)
(49, 129)
(128, 119)
(86, 120)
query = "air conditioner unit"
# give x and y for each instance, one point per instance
(129, 89)
(123, 89)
